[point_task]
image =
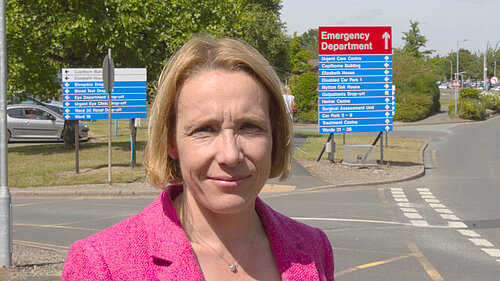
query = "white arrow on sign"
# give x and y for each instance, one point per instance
(67, 116)
(67, 97)
(386, 86)
(67, 91)
(67, 84)
(386, 64)
(67, 104)
(386, 99)
(67, 110)
(386, 36)
(386, 72)
(386, 57)
(387, 121)
(387, 114)
(386, 93)
(387, 107)
(387, 128)
(386, 79)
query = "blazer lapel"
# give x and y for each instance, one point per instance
(293, 263)
(169, 246)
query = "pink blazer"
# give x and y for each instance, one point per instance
(153, 246)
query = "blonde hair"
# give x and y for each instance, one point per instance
(197, 55)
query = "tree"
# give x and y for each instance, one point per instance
(47, 35)
(414, 41)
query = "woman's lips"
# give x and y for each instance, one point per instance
(230, 181)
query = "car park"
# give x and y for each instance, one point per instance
(32, 121)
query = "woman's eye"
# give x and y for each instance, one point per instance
(250, 127)
(203, 130)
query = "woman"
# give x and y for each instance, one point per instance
(218, 130)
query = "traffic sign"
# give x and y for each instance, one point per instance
(494, 80)
(455, 83)
(85, 98)
(355, 79)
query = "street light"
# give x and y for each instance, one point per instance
(456, 90)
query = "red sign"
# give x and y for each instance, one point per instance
(455, 83)
(494, 80)
(355, 40)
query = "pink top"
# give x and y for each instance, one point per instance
(152, 245)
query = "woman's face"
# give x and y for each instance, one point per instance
(223, 140)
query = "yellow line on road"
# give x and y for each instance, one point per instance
(372, 264)
(431, 271)
(41, 203)
(31, 243)
(55, 226)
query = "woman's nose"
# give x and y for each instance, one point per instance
(229, 152)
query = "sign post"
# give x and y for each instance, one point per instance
(355, 79)
(108, 79)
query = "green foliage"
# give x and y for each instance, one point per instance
(414, 41)
(308, 116)
(471, 109)
(469, 94)
(417, 94)
(304, 89)
(412, 107)
(491, 102)
(47, 35)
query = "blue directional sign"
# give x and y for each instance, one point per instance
(355, 91)
(84, 96)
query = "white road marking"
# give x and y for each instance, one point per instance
(481, 242)
(397, 188)
(399, 195)
(457, 224)
(401, 199)
(443, 211)
(432, 200)
(437, 205)
(470, 233)
(428, 197)
(407, 205)
(413, 215)
(450, 217)
(425, 193)
(419, 223)
(409, 210)
(422, 189)
(492, 252)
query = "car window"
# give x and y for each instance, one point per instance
(35, 113)
(15, 112)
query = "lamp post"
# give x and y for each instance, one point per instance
(456, 88)
(451, 70)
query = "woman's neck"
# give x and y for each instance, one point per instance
(228, 229)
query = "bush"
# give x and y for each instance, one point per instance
(468, 93)
(304, 89)
(491, 102)
(413, 107)
(468, 109)
(308, 116)
(414, 76)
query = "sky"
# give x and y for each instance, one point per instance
(442, 22)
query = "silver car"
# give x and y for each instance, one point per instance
(36, 122)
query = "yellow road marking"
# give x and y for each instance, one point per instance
(31, 243)
(373, 264)
(277, 188)
(431, 271)
(40, 203)
(55, 226)
(434, 157)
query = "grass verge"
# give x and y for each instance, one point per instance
(400, 150)
(51, 164)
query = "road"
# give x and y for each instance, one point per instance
(444, 226)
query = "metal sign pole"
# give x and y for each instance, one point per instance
(108, 79)
(5, 200)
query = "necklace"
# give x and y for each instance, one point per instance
(234, 265)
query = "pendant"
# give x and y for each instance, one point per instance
(233, 267)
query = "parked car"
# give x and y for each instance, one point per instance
(37, 122)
